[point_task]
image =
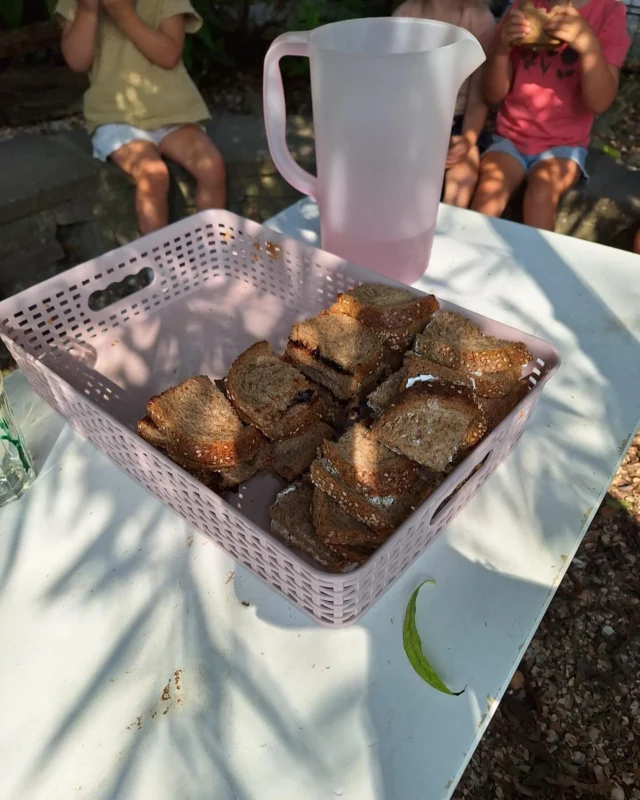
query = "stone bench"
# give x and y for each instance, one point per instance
(60, 207)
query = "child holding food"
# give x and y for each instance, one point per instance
(142, 106)
(549, 97)
(471, 110)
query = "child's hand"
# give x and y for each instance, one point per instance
(459, 148)
(567, 24)
(514, 28)
(89, 5)
(118, 9)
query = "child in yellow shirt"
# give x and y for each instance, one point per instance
(142, 106)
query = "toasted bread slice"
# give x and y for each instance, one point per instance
(332, 410)
(385, 307)
(367, 466)
(337, 528)
(337, 352)
(430, 427)
(496, 409)
(151, 433)
(292, 523)
(270, 394)
(232, 477)
(494, 384)
(382, 514)
(227, 478)
(454, 341)
(294, 456)
(200, 425)
(398, 340)
(385, 394)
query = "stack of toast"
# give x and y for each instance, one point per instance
(352, 478)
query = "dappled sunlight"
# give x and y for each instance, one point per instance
(141, 662)
(463, 635)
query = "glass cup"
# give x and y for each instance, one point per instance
(16, 468)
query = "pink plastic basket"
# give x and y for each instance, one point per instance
(217, 284)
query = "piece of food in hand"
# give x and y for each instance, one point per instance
(495, 409)
(431, 426)
(385, 307)
(293, 456)
(336, 527)
(338, 352)
(537, 38)
(492, 384)
(219, 479)
(454, 341)
(200, 425)
(382, 514)
(365, 465)
(292, 523)
(385, 394)
(271, 394)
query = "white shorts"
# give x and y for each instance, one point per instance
(109, 138)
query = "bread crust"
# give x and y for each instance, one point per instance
(335, 526)
(409, 424)
(454, 341)
(169, 410)
(367, 466)
(401, 308)
(271, 394)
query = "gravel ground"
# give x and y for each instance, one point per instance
(569, 727)
(617, 131)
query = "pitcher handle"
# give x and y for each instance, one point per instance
(275, 111)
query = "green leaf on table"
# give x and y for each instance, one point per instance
(413, 647)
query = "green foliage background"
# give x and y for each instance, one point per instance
(235, 32)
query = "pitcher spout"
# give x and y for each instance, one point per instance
(468, 55)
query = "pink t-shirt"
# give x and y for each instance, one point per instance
(544, 107)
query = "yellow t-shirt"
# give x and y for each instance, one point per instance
(125, 86)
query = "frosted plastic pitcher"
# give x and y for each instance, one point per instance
(384, 93)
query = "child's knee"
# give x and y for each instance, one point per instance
(152, 177)
(541, 193)
(491, 192)
(211, 168)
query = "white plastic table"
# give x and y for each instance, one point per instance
(138, 661)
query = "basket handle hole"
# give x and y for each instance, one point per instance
(115, 292)
(443, 508)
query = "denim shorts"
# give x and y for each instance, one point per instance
(109, 138)
(570, 152)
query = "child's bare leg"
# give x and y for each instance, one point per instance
(546, 184)
(500, 176)
(190, 147)
(461, 179)
(142, 160)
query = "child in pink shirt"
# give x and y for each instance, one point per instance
(549, 100)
